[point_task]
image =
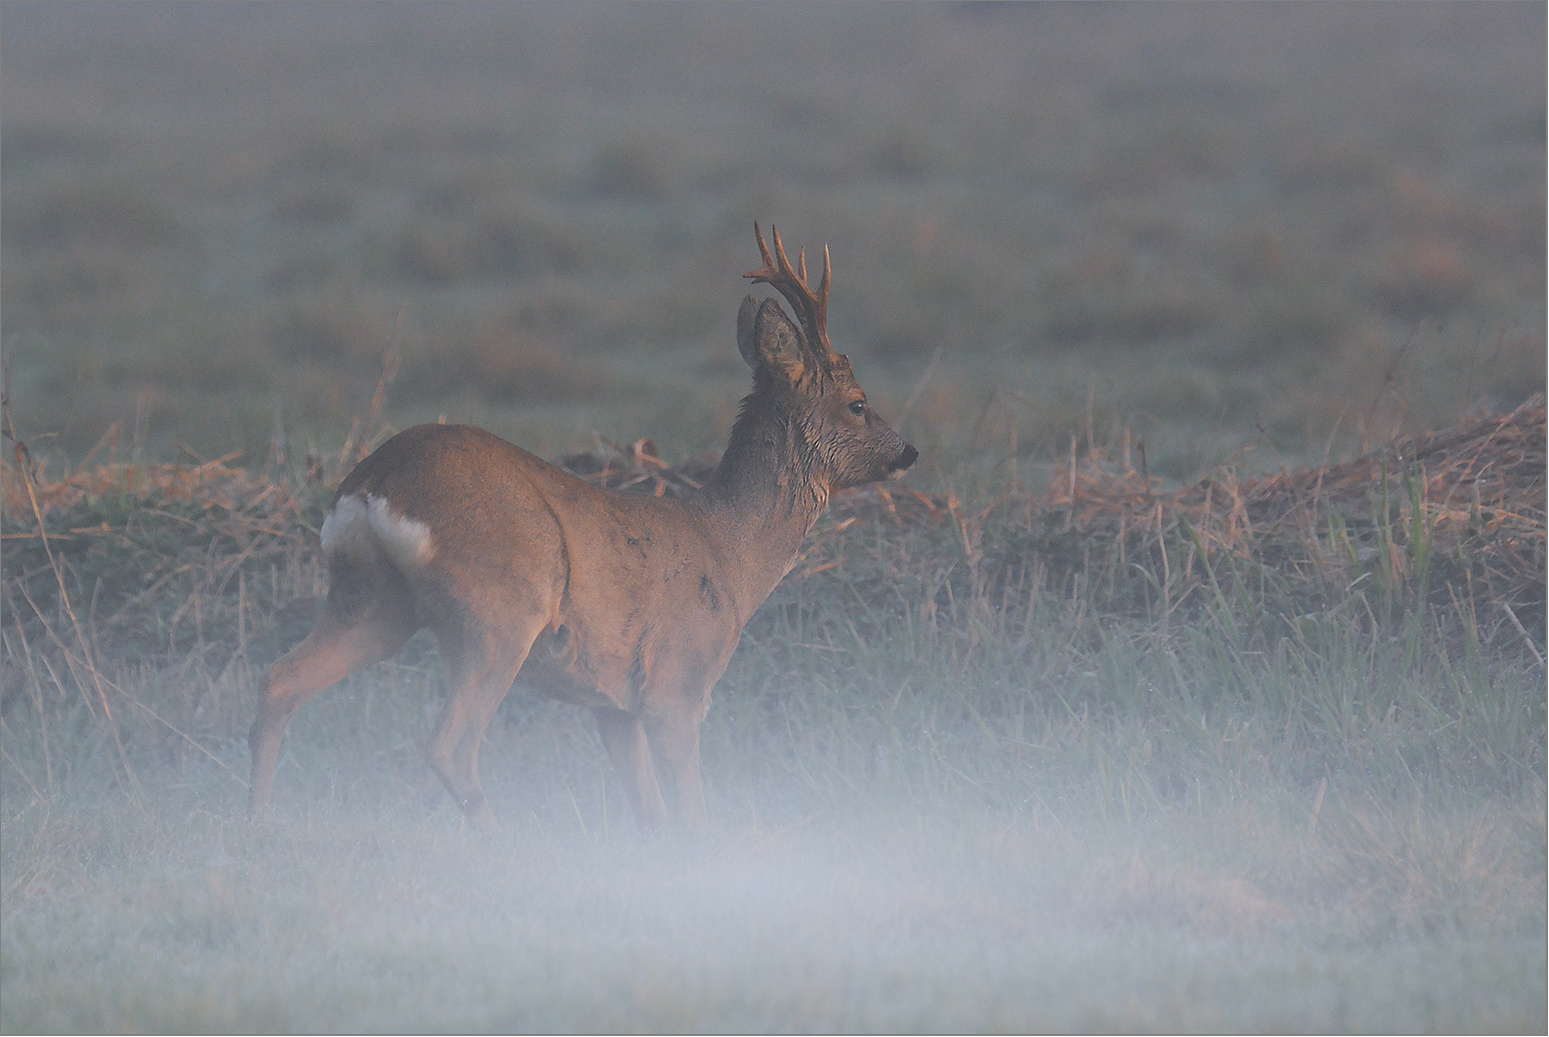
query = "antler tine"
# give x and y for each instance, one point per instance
(763, 249)
(821, 297)
(811, 308)
(785, 264)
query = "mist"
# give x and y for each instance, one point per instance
(1192, 680)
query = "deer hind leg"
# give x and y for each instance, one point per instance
(480, 669)
(354, 631)
(624, 737)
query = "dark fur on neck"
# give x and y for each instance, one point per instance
(770, 460)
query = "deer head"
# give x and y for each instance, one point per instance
(802, 386)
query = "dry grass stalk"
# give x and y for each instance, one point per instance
(213, 484)
(1479, 486)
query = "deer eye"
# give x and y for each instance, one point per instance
(858, 408)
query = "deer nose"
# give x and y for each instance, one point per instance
(905, 459)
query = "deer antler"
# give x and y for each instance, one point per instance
(811, 308)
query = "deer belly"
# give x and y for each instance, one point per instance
(555, 670)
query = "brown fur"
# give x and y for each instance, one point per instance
(626, 604)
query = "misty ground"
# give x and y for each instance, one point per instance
(993, 769)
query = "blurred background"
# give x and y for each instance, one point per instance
(1260, 230)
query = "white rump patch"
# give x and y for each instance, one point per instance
(347, 530)
(407, 541)
(355, 528)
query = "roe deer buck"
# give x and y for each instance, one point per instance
(628, 604)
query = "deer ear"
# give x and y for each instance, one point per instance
(767, 337)
(747, 317)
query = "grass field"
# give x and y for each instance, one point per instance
(1015, 757)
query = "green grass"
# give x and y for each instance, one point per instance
(947, 793)
(1216, 224)
(950, 924)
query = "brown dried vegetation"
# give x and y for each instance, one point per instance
(1455, 515)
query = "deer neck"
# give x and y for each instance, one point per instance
(762, 499)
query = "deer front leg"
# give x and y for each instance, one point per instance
(674, 738)
(624, 737)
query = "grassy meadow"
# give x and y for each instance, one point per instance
(1185, 684)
